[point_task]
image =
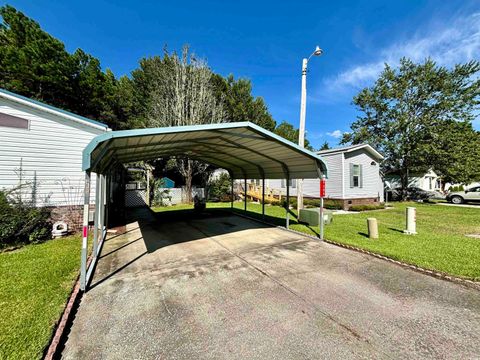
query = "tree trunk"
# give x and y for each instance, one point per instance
(404, 180)
(188, 173)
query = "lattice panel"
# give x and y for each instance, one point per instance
(135, 198)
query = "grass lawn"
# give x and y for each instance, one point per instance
(35, 282)
(440, 244)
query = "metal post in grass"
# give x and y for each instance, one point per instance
(83, 259)
(263, 197)
(245, 193)
(287, 204)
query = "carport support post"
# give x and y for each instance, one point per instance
(107, 196)
(231, 203)
(102, 209)
(287, 204)
(245, 193)
(263, 197)
(96, 218)
(83, 260)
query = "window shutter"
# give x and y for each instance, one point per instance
(360, 178)
(351, 175)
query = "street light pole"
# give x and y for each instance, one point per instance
(303, 111)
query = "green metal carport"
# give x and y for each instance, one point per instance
(245, 150)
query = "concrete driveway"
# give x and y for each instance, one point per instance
(223, 287)
(467, 205)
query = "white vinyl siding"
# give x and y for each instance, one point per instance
(338, 184)
(311, 187)
(52, 147)
(428, 181)
(359, 164)
(334, 183)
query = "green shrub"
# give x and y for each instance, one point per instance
(456, 188)
(274, 202)
(367, 207)
(219, 189)
(331, 204)
(21, 223)
(161, 196)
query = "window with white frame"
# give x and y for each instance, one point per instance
(292, 183)
(356, 175)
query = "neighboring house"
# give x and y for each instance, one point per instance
(353, 178)
(167, 183)
(47, 143)
(428, 181)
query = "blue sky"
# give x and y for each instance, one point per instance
(265, 41)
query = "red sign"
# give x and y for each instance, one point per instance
(322, 188)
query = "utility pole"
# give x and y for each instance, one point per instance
(303, 110)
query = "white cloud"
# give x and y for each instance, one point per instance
(336, 134)
(459, 41)
(314, 135)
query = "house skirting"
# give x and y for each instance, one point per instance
(347, 203)
(71, 214)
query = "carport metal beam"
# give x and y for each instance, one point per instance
(245, 197)
(231, 180)
(287, 204)
(99, 228)
(263, 197)
(86, 210)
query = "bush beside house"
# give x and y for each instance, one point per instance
(21, 222)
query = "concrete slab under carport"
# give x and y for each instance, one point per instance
(224, 287)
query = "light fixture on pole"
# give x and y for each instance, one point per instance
(301, 132)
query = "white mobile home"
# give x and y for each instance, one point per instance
(353, 177)
(47, 143)
(428, 181)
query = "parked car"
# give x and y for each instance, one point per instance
(413, 193)
(459, 197)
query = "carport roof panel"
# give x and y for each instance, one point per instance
(244, 149)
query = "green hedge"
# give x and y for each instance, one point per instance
(367, 207)
(309, 203)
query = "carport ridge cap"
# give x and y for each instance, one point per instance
(153, 131)
(86, 161)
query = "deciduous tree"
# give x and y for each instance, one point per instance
(407, 112)
(289, 132)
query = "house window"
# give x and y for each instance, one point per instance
(13, 122)
(355, 175)
(292, 183)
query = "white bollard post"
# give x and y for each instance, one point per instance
(411, 214)
(372, 226)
